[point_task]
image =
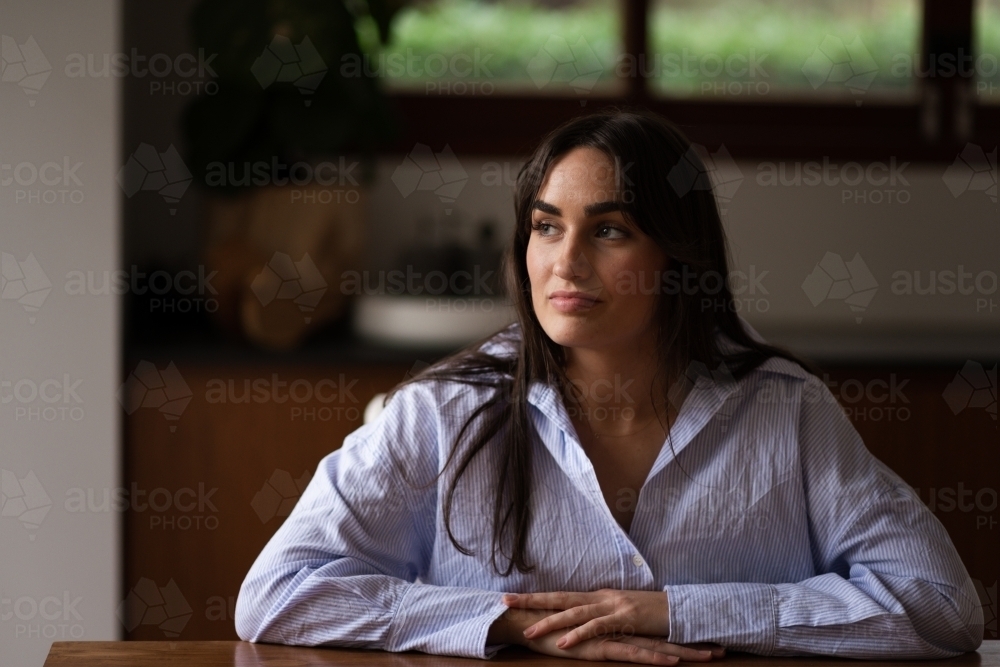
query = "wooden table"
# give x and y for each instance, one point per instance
(243, 654)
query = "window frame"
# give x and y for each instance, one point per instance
(935, 126)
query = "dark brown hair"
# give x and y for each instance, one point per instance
(677, 209)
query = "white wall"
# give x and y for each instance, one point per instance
(59, 578)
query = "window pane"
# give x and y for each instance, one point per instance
(758, 49)
(554, 47)
(987, 46)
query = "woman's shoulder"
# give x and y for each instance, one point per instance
(779, 366)
(504, 343)
(464, 382)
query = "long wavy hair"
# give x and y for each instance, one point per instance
(663, 188)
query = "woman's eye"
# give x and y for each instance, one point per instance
(541, 227)
(615, 232)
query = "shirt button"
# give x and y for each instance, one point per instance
(637, 559)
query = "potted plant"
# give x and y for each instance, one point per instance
(283, 151)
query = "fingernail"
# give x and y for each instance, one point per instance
(529, 632)
(561, 643)
(718, 651)
(509, 597)
(707, 654)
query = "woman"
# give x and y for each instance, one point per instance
(654, 480)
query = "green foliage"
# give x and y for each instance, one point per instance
(511, 33)
(787, 33)
(988, 41)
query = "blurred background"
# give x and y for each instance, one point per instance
(226, 226)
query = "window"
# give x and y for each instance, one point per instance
(770, 78)
(987, 50)
(749, 49)
(448, 47)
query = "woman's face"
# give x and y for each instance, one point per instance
(580, 242)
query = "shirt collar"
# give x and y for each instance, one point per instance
(708, 390)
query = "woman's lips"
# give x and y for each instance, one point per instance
(572, 304)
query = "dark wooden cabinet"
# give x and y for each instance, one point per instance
(209, 485)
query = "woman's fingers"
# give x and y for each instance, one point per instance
(562, 619)
(602, 626)
(632, 652)
(686, 652)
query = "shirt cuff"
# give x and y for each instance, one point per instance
(444, 620)
(739, 616)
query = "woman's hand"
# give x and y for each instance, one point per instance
(600, 613)
(644, 650)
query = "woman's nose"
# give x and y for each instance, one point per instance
(572, 262)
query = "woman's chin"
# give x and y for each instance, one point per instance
(576, 334)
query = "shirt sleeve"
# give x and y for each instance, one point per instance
(342, 569)
(890, 582)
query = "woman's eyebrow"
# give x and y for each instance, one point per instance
(600, 208)
(546, 207)
(590, 210)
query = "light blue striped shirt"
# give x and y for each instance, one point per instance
(785, 536)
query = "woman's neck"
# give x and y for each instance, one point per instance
(625, 381)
